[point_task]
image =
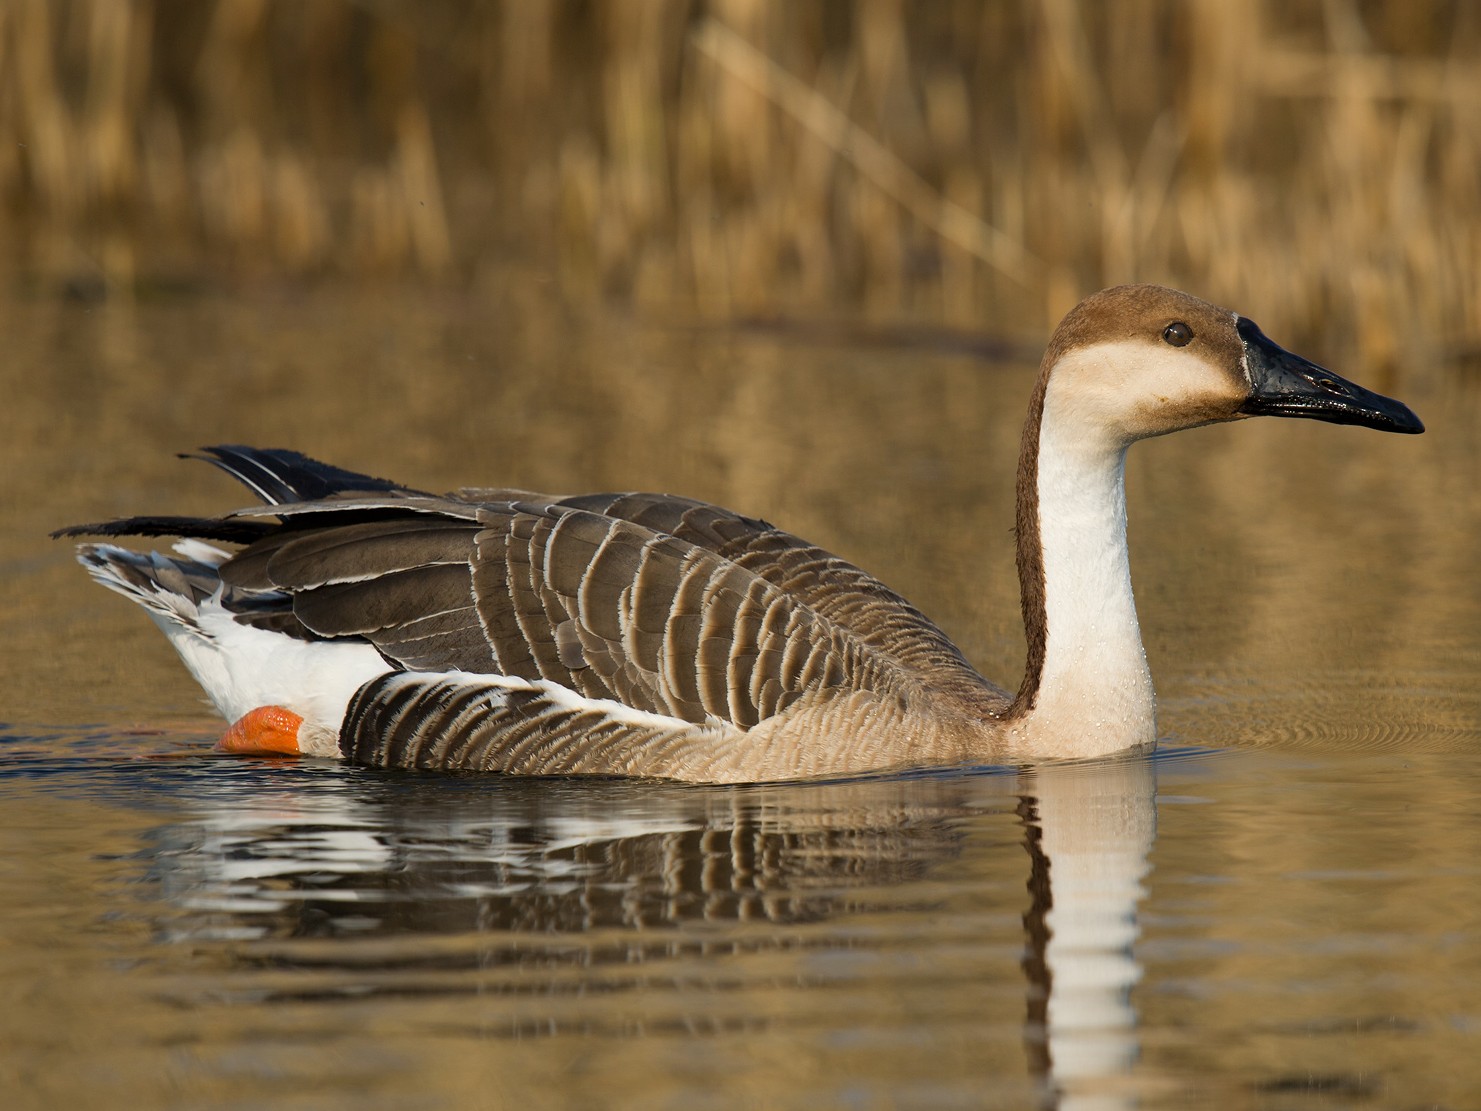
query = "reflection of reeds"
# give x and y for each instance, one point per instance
(960, 161)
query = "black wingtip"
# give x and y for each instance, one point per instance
(228, 529)
(280, 475)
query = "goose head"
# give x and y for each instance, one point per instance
(1141, 360)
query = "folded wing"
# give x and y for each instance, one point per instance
(666, 605)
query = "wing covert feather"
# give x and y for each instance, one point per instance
(667, 605)
(821, 581)
(614, 610)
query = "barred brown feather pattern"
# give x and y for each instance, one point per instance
(463, 724)
(826, 584)
(664, 604)
(608, 633)
(615, 610)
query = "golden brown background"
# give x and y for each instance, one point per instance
(981, 165)
(797, 258)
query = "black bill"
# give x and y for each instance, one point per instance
(1286, 385)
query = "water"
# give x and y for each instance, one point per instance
(1280, 910)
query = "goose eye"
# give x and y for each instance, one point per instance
(1178, 334)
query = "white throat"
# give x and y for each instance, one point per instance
(1095, 690)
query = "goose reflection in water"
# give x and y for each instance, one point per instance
(441, 886)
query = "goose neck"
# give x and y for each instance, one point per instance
(1087, 689)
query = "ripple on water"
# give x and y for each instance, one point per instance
(291, 903)
(1352, 712)
(890, 933)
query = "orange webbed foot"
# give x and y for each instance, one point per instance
(267, 730)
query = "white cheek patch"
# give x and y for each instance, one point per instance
(1125, 390)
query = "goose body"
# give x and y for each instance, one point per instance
(652, 635)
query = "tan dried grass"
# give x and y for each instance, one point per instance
(978, 165)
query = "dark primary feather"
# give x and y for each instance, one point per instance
(277, 475)
(227, 529)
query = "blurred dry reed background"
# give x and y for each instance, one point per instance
(973, 164)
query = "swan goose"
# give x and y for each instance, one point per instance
(651, 635)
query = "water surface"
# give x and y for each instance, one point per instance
(1280, 910)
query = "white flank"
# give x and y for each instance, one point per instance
(241, 667)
